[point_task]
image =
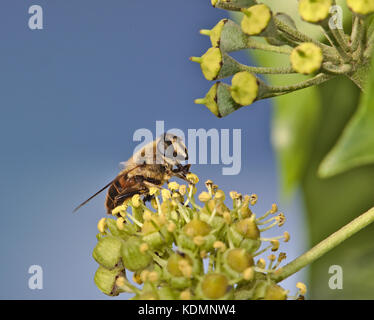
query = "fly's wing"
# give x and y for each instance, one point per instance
(103, 188)
(93, 196)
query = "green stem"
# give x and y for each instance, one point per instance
(332, 37)
(253, 44)
(297, 35)
(318, 79)
(357, 33)
(268, 70)
(324, 246)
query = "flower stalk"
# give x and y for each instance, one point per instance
(326, 245)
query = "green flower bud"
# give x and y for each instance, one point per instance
(233, 5)
(238, 259)
(152, 225)
(132, 257)
(196, 228)
(228, 36)
(275, 292)
(248, 228)
(361, 6)
(216, 64)
(250, 245)
(219, 101)
(165, 293)
(148, 295)
(306, 58)
(314, 10)
(214, 286)
(105, 280)
(244, 88)
(176, 262)
(128, 229)
(256, 19)
(158, 239)
(108, 252)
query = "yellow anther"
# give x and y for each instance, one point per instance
(165, 193)
(120, 223)
(135, 200)
(153, 191)
(192, 178)
(173, 186)
(286, 236)
(302, 288)
(183, 189)
(275, 244)
(199, 240)
(248, 274)
(101, 225)
(120, 281)
(219, 245)
(204, 196)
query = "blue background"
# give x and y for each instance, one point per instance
(72, 96)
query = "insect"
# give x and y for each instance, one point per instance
(151, 166)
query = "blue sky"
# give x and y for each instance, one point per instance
(72, 95)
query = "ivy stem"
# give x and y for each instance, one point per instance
(324, 246)
(318, 79)
(253, 44)
(268, 70)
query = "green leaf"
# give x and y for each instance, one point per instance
(332, 203)
(355, 147)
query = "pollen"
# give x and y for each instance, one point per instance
(101, 225)
(302, 288)
(173, 186)
(192, 178)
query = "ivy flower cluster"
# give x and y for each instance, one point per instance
(177, 249)
(262, 29)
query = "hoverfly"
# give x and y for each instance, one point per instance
(151, 166)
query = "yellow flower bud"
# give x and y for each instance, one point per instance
(256, 19)
(210, 63)
(314, 10)
(306, 58)
(215, 33)
(244, 88)
(361, 6)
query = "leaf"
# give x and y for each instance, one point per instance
(355, 147)
(332, 203)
